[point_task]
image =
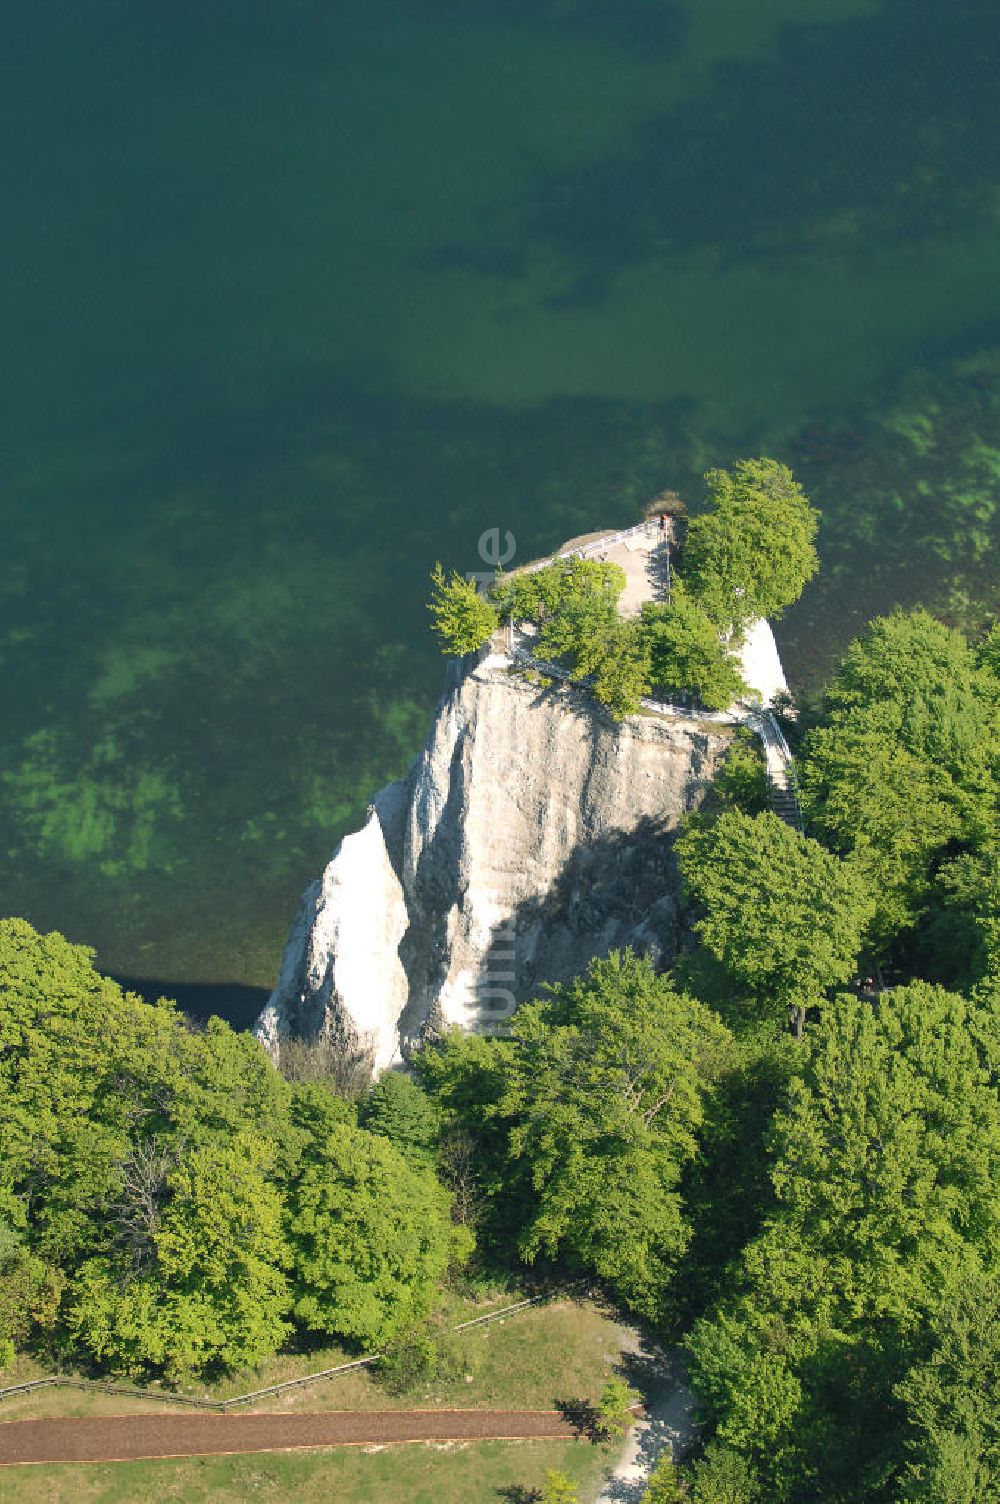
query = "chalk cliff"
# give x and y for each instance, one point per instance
(530, 835)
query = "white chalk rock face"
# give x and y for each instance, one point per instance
(760, 663)
(341, 977)
(531, 834)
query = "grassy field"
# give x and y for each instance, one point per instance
(482, 1473)
(558, 1351)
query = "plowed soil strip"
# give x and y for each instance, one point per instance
(120, 1438)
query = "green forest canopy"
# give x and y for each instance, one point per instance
(797, 1178)
(165, 1196)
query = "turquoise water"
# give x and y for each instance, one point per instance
(297, 299)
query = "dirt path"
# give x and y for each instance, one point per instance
(119, 1438)
(669, 1419)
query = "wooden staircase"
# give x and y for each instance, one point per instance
(783, 799)
(782, 786)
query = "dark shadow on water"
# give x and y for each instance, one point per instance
(877, 129)
(237, 1004)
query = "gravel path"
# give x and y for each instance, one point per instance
(119, 1438)
(668, 1421)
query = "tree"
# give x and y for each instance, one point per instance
(120, 1173)
(926, 669)
(565, 586)
(988, 654)
(952, 1400)
(614, 1409)
(753, 552)
(371, 1238)
(665, 1485)
(335, 1064)
(719, 1476)
(457, 1169)
(419, 1356)
(722, 1476)
(580, 611)
(728, 1189)
(687, 655)
(602, 1097)
(892, 812)
(902, 774)
(213, 1291)
(574, 603)
(962, 938)
(466, 1076)
(892, 1140)
(885, 1172)
(528, 594)
(558, 1489)
(919, 681)
(742, 783)
(462, 619)
(89, 1074)
(316, 1109)
(782, 915)
(619, 662)
(29, 1294)
(398, 1109)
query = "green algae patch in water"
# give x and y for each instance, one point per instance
(108, 815)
